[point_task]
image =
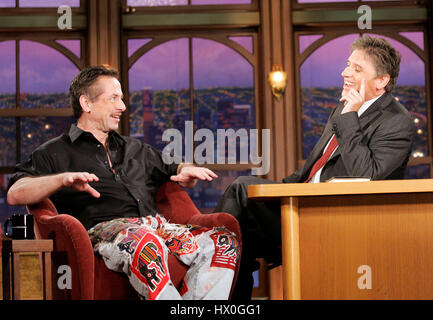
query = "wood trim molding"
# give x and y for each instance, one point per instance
(36, 112)
(246, 19)
(40, 22)
(390, 15)
(103, 38)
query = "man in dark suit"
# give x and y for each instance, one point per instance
(369, 134)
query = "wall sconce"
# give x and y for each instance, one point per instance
(129, 10)
(278, 80)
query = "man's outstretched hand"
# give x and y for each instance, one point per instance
(189, 175)
(80, 181)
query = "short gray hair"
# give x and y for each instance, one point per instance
(385, 58)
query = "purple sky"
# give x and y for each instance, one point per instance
(44, 70)
(72, 45)
(167, 66)
(7, 66)
(246, 42)
(323, 69)
(182, 2)
(135, 44)
(40, 3)
(217, 65)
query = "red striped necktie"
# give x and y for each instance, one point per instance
(324, 158)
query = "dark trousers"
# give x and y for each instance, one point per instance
(260, 224)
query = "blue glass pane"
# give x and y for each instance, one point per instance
(37, 130)
(421, 171)
(8, 157)
(256, 277)
(45, 76)
(7, 75)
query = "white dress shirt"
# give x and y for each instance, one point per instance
(365, 106)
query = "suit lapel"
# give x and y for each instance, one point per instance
(370, 115)
(317, 151)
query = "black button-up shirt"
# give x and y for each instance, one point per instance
(129, 191)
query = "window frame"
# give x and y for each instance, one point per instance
(220, 36)
(190, 7)
(334, 30)
(48, 39)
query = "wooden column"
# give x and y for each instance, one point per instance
(279, 116)
(290, 248)
(277, 43)
(103, 38)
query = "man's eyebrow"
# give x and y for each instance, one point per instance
(355, 64)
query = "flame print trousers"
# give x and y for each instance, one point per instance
(139, 247)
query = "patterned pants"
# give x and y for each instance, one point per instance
(139, 247)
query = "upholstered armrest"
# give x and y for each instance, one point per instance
(174, 203)
(177, 207)
(217, 219)
(72, 247)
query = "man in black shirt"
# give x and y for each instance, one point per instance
(109, 182)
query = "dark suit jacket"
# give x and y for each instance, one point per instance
(375, 145)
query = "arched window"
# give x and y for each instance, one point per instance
(209, 82)
(34, 104)
(323, 58)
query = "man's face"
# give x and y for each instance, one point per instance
(107, 105)
(359, 67)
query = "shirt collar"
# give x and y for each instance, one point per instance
(75, 133)
(367, 104)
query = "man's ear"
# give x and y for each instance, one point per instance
(382, 82)
(85, 103)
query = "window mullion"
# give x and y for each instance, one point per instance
(191, 91)
(17, 99)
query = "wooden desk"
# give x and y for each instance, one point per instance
(11, 250)
(332, 231)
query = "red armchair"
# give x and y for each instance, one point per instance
(91, 279)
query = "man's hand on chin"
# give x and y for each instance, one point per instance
(353, 100)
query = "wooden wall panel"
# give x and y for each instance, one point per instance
(277, 43)
(103, 38)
